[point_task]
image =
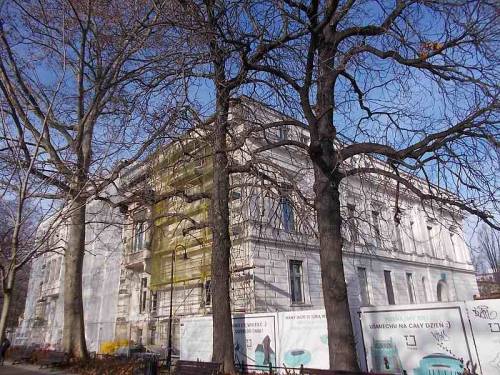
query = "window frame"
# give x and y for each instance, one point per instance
(153, 302)
(363, 276)
(283, 133)
(352, 223)
(413, 236)
(138, 246)
(377, 232)
(457, 254)
(430, 241)
(389, 287)
(206, 293)
(143, 296)
(292, 281)
(410, 286)
(287, 214)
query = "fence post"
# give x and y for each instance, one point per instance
(270, 368)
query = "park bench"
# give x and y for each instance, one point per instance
(52, 358)
(196, 368)
(21, 354)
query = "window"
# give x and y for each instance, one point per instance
(139, 234)
(351, 222)
(40, 308)
(411, 288)
(47, 272)
(296, 287)
(388, 288)
(139, 335)
(287, 217)
(363, 287)
(254, 207)
(154, 302)
(57, 272)
(153, 337)
(199, 161)
(235, 195)
(143, 295)
(431, 241)
(442, 291)
(413, 238)
(283, 133)
(207, 293)
(376, 227)
(398, 243)
(453, 246)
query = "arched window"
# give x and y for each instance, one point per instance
(442, 291)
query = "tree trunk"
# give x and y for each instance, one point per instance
(7, 299)
(341, 343)
(74, 327)
(223, 349)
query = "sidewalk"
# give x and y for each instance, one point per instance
(23, 369)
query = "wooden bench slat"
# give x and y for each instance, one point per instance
(52, 358)
(183, 367)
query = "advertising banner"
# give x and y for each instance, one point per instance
(484, 316)
(417, 339)
(303, 339)
(196, 339)
(255, 339)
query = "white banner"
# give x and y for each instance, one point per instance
(255, 339)
(484, 317)
(418, 339)
(196, 339)
(303, 339)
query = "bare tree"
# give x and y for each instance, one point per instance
(233, 35)
(388, 93)
(488, 250)
(78, 78)
(21, 211)
(17, 239)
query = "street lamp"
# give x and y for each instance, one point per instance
(169, 353)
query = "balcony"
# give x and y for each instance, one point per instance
(50, 289)
(138, 260)
(51, 292)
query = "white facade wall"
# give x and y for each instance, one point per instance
(42, 323)
(272, 283)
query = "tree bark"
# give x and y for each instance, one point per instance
(341, 343)
(7, 299)
(74, 327)
(223, 349)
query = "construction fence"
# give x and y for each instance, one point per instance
(406, 339)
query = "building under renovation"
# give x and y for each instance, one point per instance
(157, 247)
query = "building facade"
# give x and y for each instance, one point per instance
(396, 250)
(42, 321)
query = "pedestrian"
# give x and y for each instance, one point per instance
(3, 349)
